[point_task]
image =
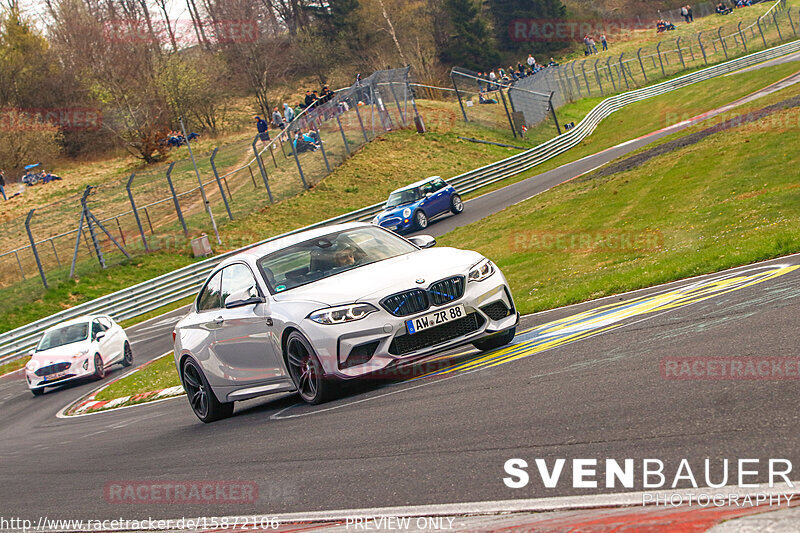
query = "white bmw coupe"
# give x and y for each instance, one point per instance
(305, 311)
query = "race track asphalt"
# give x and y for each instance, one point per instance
(592, 389)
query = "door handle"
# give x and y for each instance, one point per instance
(219, 320)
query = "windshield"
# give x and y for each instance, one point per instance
(329, 255)
(65, 335)
(403, 197)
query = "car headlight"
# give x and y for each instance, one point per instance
(80, 354)
(342, 313)
(376, 221)
(31, 366)
(481, 271)
(406, 212)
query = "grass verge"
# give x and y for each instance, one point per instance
(157, 375)
(725, 201)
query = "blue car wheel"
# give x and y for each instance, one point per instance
(420, 219)
(456, 205)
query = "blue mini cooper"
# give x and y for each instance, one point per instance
(412, 207)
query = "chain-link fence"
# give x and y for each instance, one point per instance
(164, 206)
(532, 99)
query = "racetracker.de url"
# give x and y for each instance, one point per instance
(43, 523)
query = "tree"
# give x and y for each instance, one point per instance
(505, 12)
(469, 43)
(25, 138)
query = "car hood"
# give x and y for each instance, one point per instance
(374, 282)
(59, 354)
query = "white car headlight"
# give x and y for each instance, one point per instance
(31, 366)
(342, 313)
(406, 212)
(80, 354)
(481, 271)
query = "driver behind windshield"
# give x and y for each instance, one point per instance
(344, 257)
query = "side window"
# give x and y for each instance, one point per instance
(237, 280)
(96, 328)
(438, 184)
(104, 323)
(209, 297)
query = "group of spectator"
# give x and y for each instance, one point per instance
(663, 25)
(723, 9)
(590, 47)
(279, 120)
(176, 138)
(686, 13)
(493, 79)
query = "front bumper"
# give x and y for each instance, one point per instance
(381, 339)
(74, 372)
(396, 224)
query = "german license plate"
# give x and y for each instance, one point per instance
(437, 318)
(57, 375)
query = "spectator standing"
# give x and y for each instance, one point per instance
(531, 61)
(594, 46)
(262, 127)
(288, 113)
(493, 80)
(309, 101)
(3, 185)
(685, 14)
(604, 42)
(689, 13)
(277, 118)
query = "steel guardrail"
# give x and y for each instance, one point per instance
(168, 288)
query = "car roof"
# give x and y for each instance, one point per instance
(78, 320)
(416, 184)
(283, 242)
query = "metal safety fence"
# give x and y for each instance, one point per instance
(161, 208)
(532, 99)
(155, 293)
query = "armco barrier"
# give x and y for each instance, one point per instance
(160, 291)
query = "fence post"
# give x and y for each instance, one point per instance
(764, 39)
(553, 112)
(658, 51)
(585, 79)
(136, 213)
(341, 130)
(174, 200)
(575, 77)
(791, 22)
(33, 247)
(722, 42)
(219, 184)
(300, 168)
(597, 75)
(622, 68)
(396, 101)
(611, 74)
(261, 167)
(55, 252)
(641, 65)
(19, 264)
(775, 19)
(680, 54)
(458, 95)
(508, 115)
(322, 147)
(741, 35)
(361, 122)
(703, 50)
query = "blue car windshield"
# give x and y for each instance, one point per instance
(403, 197)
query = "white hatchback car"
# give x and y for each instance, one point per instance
(78, 348)
(335, 303)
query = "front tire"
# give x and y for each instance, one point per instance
(420, 220)
(456, 205)
(99, 367)
(127, 357)
(306, 370)
(201, 398)
(495, 341)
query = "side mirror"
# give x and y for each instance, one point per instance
(242, 298)
(428, 194)
(31, 352)
(423, 241)
(99, 336)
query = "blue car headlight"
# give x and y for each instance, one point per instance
(481, 270)
(342, 313)
(406, 212)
